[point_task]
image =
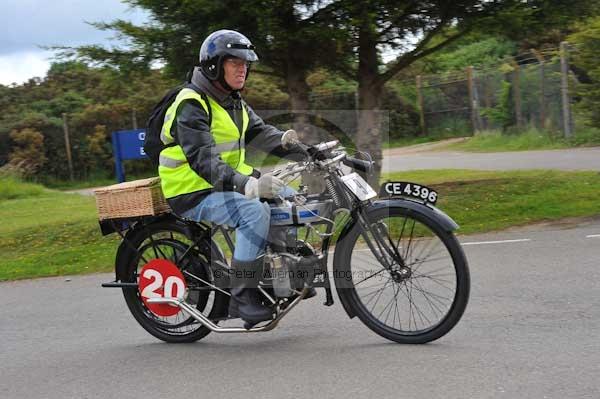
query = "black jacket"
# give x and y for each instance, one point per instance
(191, 130)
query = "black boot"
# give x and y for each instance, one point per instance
(245, 301)
(311, 293)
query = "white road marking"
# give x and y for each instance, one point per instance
(593, 236)
(495, 242)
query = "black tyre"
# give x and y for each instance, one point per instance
(169, 240)
(414, 303)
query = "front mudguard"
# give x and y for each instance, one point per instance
(429, 211)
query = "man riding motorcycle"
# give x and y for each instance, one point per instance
(203, 169)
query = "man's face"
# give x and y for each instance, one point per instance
(235, 72)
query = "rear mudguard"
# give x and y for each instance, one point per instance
(132, 237)
(429, 211)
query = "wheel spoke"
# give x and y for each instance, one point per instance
(414, 307)
(374, 291)
(435, 280)
(434, 308)
(437, 297)
(422, 257)
(401, 233)
(417, 265)
(412, 229)
(379, 296)
(370, 277)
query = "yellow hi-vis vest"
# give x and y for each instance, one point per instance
(176, 175)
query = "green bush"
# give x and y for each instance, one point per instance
(529, 139)
(12, 187)
(585, 136)
(585, 58)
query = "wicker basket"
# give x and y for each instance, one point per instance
(135, 198)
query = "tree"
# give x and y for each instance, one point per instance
(292, 38)
(474, 49)
(413, 30)
(349, 37)
(27, 156)
(587, 36)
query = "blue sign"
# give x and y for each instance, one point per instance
(127, 144)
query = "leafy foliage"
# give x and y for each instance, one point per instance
(12, 187)
(503, 113)
(324, 47)
(27, 156)
(588, 38)
(473, 50)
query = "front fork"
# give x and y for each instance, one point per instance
(381, 244)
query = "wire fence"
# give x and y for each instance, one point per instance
(531, 90)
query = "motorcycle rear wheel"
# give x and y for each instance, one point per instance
(168, 240)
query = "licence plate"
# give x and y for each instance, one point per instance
(408, 189)
(359, 186)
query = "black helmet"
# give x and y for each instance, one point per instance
(220, 45)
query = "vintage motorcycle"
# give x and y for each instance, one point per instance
(397, 265)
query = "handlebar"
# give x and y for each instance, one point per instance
(358, 164)
(323, 157)
(326, 146)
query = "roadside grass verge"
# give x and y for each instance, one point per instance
(531, 139)
(48, 233)
(481, 201)
(409, 141)
(259, 160)
(13, 188)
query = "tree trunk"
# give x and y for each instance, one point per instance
(370, 90)
(298, 90)
(368, 137)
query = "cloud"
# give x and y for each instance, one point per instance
(27, 24)
(21, 66)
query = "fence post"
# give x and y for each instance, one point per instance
(356, 114)
(542, 62)
(564, 88)
(421, 102)
(487, 101)
(134, 119)
(517, 93)
(68, 145)
(473, 99)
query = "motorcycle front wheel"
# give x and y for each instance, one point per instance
(422, 292)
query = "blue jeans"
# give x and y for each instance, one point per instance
(250, 218)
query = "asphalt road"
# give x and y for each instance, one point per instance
(568, 159)
(530, 331)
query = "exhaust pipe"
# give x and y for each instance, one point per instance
(193, 312)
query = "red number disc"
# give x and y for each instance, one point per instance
(160, 278)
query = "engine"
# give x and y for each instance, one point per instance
(292, 261)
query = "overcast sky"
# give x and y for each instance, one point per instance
(27, 24)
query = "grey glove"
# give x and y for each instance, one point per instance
(289, 139)
(267, 186)
(296, 151)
